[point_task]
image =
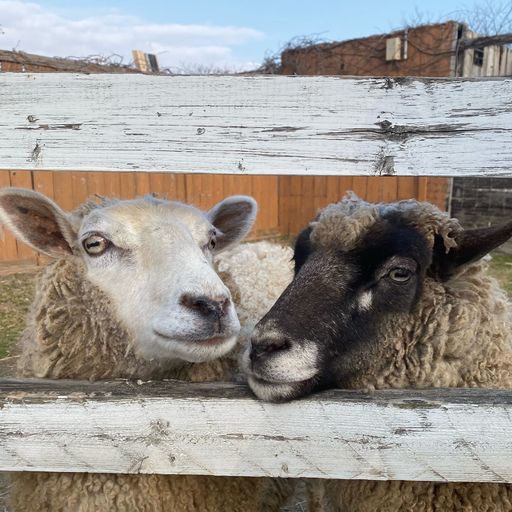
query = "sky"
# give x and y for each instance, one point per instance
(190, 34)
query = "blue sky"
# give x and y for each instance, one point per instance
(222, 33)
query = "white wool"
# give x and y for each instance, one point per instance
(262, 270)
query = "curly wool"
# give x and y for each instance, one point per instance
(342, 224)
(458, 336)
(88, 492)
(271, 269)
(72, 333)
(372, 496)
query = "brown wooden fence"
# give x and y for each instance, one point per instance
(286, 203)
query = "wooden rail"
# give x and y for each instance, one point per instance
(256, 124)
(220, 429)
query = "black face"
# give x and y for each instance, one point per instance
(332, 325)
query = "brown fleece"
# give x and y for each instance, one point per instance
(458, 336)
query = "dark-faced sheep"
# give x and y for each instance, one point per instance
(133, 293)
(389, 296)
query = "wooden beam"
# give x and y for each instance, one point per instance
(481, 42)
(256, 124)
(220, 429)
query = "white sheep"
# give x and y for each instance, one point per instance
(133, 293)
(389, 296)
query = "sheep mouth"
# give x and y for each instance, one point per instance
(215, 340)
(264, 374)
(266, 382)
(282, 391)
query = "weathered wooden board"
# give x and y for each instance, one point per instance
(220, 429)
(256, 124)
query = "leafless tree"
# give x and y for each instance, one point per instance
(271, 64)
(199, 69)
(489, 18)
(420, 17)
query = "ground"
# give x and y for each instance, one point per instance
(501, 269)
(16, 292)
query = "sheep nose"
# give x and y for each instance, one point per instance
(205, 306)
(261, 348)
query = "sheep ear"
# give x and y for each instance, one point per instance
(472, 244)
(233, 217)
(37, 221)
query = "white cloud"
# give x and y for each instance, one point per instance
(32, 28)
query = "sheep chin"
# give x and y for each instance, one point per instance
(279, 391)
(192, 351)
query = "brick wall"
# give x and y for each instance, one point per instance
(430, 52)
(480, 202)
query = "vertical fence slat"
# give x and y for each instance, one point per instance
(8, 247)
(360, 184)
(112, 184)
(345, 184)
(389, 189)
(127, 186)
(23, 179)
(264, 190)
(142, 184)
(63, 190)
(407, 187)
(96, 183)
(286, 203)
(79, 188)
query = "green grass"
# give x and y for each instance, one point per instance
(16, 292)
(501, 269)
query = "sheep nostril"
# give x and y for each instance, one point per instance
(206, 306)
(265, 348)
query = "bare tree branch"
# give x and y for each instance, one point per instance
(489, 18)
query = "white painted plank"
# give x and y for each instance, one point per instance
(256, 124)
(220, 429)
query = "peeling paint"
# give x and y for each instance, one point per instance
(66, 126)
(384, 165)
(36, 153)
(291, 125)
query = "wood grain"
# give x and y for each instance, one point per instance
(220, 429)
(256, 124)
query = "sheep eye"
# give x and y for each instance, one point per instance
(400, 274)
(95, 245)
(212, 243)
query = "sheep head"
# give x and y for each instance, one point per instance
(154, 260)
(357, 304)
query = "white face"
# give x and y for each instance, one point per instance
(281, 373)
(156, 265)
(153, 258)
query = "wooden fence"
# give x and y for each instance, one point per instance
(220, 429)
(357, 129)
(286, 203)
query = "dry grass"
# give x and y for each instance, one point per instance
(16, 292)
